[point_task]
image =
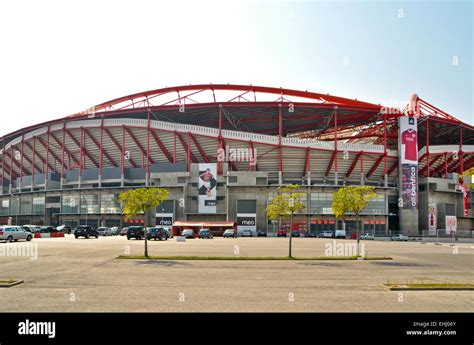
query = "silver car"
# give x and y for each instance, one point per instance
(103, 231)
(14, 233)
(399, 238)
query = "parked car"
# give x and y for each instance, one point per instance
(296, 233)
(261, 233)
(313, 233)
(229, 233)
(103, 231)
(247, 233)
(136, 232)
(327, 234)
(281, 233)
(31, 228)
(169, 232)
(367, 236)
(157, 234)
(14, 233)
(123, 232)
(115, 230)
(340, 234)
(187, 233)
(48, 230)
(399, 238)
(205, 233)
(64, 228)
(85, 231)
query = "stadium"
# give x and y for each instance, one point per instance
(222, 151)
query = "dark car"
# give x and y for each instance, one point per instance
(295, 233)
(229, 233)
(247, 233)
(313, 233)
(85, 231)
(136, 232)
(157, 234)
(261, 233)
(205, 233)
(187, 233)
(48, 230)
(281, 233)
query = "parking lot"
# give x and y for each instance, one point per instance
(84, 275)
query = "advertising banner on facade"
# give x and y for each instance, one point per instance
(432, 220)
(207, 188)
(164, 219)
(408, 151)
(464, 189)
(246, 221)
(451, 225)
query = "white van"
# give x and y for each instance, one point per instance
(340, 234)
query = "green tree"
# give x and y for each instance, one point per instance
(352, 199)
(285, 204)
(142, 201)
(468, 174)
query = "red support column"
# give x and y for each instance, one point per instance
(47, 157)
(148, 150)
(219, 143)
(385, 167)
(81, 150)
(3, 162)
(188, 157)
(362, 166)
(335, 146)
(461, 153)
(62, 150)
(280, 153)
(123, 151)
(174, 147)
(11, 165)
(428, 147)
(101, 148)
(33, 164)
(446, 165)
(21, 160)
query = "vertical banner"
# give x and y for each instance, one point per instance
(408, 150)
(246, 221)
(207, 187)
(464, 189)
(451, 225)
(432, 220)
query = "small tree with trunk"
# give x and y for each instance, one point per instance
(142, 201)
(352, 199)
(285, 204)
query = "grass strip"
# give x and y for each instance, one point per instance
(430, 286)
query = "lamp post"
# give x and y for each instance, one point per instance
(162, 212)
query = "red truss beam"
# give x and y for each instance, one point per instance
(97, 143)
(93, 160)
(41, 141)
(59, 142)
(185, 147)
(18, 165)
(354, 163)
(119, 147)
(331, 162)
(198, 146)
(376, 164)
(162, 146)
(37, 155)
(392, 168)
(138, 143)
(454, 163)
(469, 163)
(433, 161)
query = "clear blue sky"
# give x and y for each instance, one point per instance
(59, 57)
